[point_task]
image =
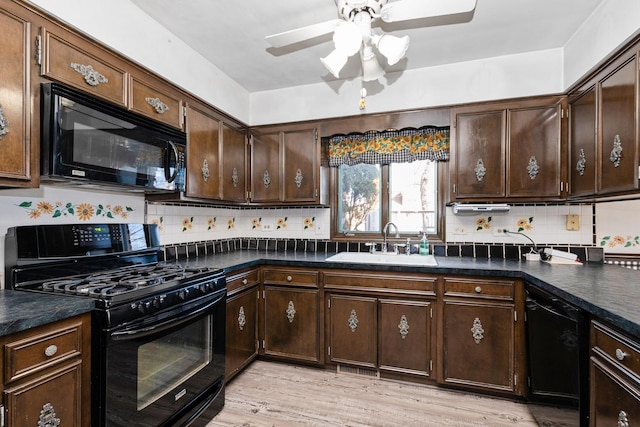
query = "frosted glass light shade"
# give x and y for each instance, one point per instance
(371, 69)
(392, 47)
(347, 38)
(334, 62)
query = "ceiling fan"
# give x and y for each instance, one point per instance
(353, 32)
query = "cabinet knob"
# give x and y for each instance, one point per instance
(620, 355)
(51, 350)
(623, 419)
(478, 289)
(289, 278)
(245, 281)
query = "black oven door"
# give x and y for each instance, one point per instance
(166, 370)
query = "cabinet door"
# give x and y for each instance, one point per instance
(405, 337)
(15, 114)
(353, 330)
(301, 165)
(479, 155)
(157, 101)
(51, 399)
(234, 173)
(292, 323)
(478, 344)
(78, 62)
(614, 400)
(618, 164)
(582, 151)
(534, 152)
(203, 153)
(265, 167)
(242, 330)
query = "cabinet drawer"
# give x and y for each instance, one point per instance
(242, 280)
(615, 347)
(74, 61)
(290, 277)
(41, 349)
(494, 289)
(156, 103)
(381, 282)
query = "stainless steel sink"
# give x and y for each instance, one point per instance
(388, 258)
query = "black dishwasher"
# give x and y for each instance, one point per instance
(558, 353)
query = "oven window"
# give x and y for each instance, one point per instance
(172, 359)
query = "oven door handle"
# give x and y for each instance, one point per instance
(166, 324)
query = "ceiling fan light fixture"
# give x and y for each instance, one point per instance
(371, 69)
(393, 48)
(347, 38)
(334, 62)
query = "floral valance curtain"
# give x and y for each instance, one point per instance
(392, 146)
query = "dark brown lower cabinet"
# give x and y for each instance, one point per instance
(292, 323)
(481, 334)
(405, 337)
(614, 377)
(241, 331)
(47, 374)
(478, 345)
(353, 330)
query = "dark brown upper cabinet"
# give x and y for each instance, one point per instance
(508, 151)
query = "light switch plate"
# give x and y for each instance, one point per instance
(573, 222)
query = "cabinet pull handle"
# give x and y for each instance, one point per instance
(403, 326)
(205, 170)
(353, 320)
(623, 419)
(620, 355)
(157, 105)
(51, 350)
(616, 151)
(266, 179)
(4, 124)
(291, 312)
(242, 319)
(234, 177)
(289, 278)
(298, 178)
(48, 416)
(91, 76)
(477, 331)
(480, 170)
(581, 165)
(532, 168)
(245, 281)
(478, 289)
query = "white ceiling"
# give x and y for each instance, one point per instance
(231, 35)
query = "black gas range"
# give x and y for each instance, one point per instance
(158, 328)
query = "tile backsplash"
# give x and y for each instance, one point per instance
(611, 225)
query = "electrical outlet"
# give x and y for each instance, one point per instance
(500, 232)
(460, 230)
(267, 226)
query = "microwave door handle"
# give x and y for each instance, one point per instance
(167, 169)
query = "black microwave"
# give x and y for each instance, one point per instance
(88, 141)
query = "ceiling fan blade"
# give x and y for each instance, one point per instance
(403, 10)
(303, 33)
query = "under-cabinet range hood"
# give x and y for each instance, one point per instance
(476, 209)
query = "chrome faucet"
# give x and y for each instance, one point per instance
(384, 233)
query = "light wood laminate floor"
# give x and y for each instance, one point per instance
(275, 394)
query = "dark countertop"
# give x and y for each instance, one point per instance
(609, 292)
(25, 310)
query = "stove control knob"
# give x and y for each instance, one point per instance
(157, 301)
(203, 288)
(183, 294)
(141, 307)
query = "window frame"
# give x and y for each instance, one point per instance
(442, 174)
